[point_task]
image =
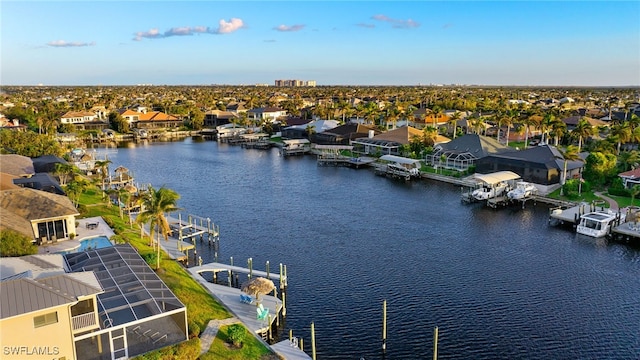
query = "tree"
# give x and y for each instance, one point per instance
(621, 133)
(103, 167)
(64, 172)
(582, 130)
(628, 160)
(558, 129)
(197, 119)
(13, 243)
(118, 123)
(29, 144)
(569, 154)
(600, 167)
(75, 188)
(453, 122)
(156, 204)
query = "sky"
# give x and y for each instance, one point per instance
(523, 43)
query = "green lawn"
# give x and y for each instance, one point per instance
(251, 348)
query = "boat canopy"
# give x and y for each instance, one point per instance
(399, 159)
(295, 141)
(497, 177)
(334, 147)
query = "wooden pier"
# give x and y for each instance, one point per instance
(560, 216)
(229, 294)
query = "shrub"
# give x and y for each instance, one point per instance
(118, 239)
(236, 333)
(151, 258)
(13, 243)
(194, 330)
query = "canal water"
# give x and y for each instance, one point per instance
(499, 284)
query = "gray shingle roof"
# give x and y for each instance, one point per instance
(477, 145)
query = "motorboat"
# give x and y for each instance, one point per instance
(486, 192)
(522, 191)
(598, 223)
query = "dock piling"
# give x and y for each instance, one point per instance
(435, 343)
(384, 326)
(313, 342)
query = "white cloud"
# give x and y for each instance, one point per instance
(224, 28)
(397, 23)
(62, 43)
(284, 28)
(229, 27)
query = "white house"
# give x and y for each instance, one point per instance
(78, 117)
(266, 113)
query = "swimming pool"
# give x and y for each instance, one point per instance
(93, 243)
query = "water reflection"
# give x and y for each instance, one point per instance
(498, 283)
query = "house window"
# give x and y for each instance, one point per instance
(46, 319)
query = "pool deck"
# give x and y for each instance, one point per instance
(82, 232)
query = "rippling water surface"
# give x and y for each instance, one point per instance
(499, 284)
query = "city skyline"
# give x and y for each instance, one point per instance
(520, 43)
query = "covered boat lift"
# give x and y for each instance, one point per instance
(398, 166)
(490, 181)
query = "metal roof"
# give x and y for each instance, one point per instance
(25, 295)
(497, 177)
(399, 159)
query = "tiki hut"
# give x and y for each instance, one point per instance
(258, 286)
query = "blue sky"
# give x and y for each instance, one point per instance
(546, 43)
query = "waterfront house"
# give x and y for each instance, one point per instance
(39, 215)
(344, 134)
(463, 152)
(390, 142)
(158, 120)
(43, 309)
(271, 114)
(630, 178)
(99, 304)
(85, 120)
(215, 118)
(542, 165)
(308, 130)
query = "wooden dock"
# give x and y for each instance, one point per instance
(345, 161)
(559, 216)
(629, 232)
(229, 295)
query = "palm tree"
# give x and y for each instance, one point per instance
(103, 166)
(453, 121)
(64, 171)
(156, 204)
(429, 135)
(546, 125)
(582, 130)
(622, 133)
(558, 129)
(628, 159)
(571, 153)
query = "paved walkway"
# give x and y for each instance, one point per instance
(613, 205)
(209, 334)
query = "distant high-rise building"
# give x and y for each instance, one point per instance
(295, 83)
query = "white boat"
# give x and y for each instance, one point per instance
(598, 223)
(522, 191)
(487, 192)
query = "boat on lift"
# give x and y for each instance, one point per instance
(598, 223)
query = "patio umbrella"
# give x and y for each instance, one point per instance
(258, 286)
